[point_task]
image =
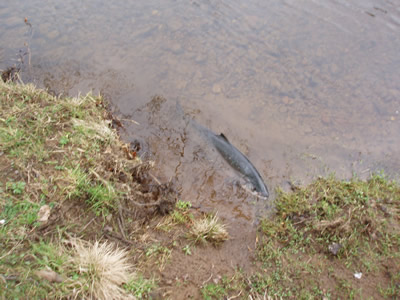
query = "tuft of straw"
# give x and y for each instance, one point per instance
(103, 269)
(209, 229)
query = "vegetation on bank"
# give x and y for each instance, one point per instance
(74, 198)
(331, 239)
(73, 201)
(61, 165)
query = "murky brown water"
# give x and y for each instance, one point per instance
(304, 88)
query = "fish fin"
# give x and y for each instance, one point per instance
(224, 137)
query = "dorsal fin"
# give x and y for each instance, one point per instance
(224, 137)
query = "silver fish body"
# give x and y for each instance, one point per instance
(236, 159)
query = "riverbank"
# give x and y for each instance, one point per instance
(83, 216)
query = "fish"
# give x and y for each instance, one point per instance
(236, 159)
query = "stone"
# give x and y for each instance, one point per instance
(334, 248)
(216, 88)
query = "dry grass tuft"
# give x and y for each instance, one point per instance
(209, 229)
(103, 270)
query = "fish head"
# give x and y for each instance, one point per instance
(249, 187)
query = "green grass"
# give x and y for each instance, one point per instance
(53, 151)
(293, 256)
(61, 152)
(225, 287)
(21, 213)
(16, 187)
(101, 197)
(360, 216)
(213, 291)
(141, 287)
(18, 269)
(350, 213)
(159, 254)
(179, 216)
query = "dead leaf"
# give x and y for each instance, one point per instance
(44, 213)
(49, 275)
(108, 150)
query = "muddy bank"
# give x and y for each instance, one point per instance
(72, 195)
(70, 188)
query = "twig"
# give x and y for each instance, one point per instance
(107, 184)
(155, 178)
(111, 235)
(121, 228)
(326, 224)
(12, 249)
(84, 227)
(120, 220)
(233, 297)
(209, 278)
(299, 222)
(130, 120)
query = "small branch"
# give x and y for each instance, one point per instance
(155, 178)
(121, 222)
(209, 278)
(84, 227)
(234, 297)
(130, 120)
(114, 236)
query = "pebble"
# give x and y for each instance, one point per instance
(286, 100)
(334, 248)
(307, 129)
(282, 109)
(49, 275)
(325, 119)
(175, 25)
(199, 58)
(275, 83)
(176, 48)
(53, 34)
(216, 88)
(334, 69)
(181, 84)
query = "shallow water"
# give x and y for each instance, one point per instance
(303, 88)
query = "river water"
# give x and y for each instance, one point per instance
(303, 88)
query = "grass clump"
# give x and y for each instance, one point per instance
(225, 287)
(62, 154)
(140, 287)
(158, 253)
(101, 270)
(72, 136)
(327, 226)
(208, 229)
(179, 216)
(213, 291)
(79, 270)
(100, 196)
(345, 212)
